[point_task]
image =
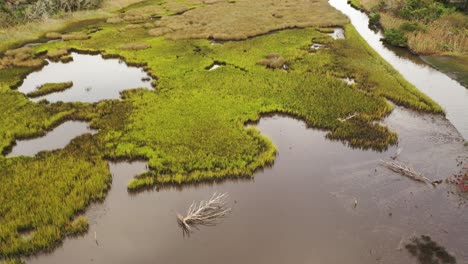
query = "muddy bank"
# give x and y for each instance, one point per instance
(302, 210)
(455, 67)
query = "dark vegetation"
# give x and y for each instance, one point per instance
(429, 252)
(13, 12)
(425, 26)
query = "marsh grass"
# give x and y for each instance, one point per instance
(53, 35)
(135, 46)
(22, 57)
(192, 127)
(78, 226)
(273, 61)
(56, 54)
(75, 36)
(49, 88)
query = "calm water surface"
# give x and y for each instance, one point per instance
(299, 211)
(58, 138)
(94, 79)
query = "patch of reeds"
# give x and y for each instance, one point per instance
(135, 46)
(53, 35)
(22, 57)
(273, 61)
(49, 88)
(75, 36)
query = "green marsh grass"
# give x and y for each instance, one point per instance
(191, 127)
(49, 88)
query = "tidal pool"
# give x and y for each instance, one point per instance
(338, 33)
(56, 139)
(94, 79)
(301, 210)
(450, 94)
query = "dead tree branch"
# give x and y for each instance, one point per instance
(405, 170)
(342, 120)
(206, 213)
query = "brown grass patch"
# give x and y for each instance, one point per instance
(53, 35)
(246, 18)
(273, 61)
(135, 46)
(22, 57)
(156, 32)
(75, 36)
(56, 54)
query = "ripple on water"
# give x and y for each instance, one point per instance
(94, 79)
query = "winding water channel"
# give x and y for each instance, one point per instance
(450, 94)
(321, 202)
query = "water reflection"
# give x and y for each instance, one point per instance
(301, 210)
(55, 139)
(94, 79)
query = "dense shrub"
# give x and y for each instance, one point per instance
(14, 12)
(423, 10)
(395, 37)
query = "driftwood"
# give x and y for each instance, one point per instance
(342, 120)
(405, 170)
(206, 213)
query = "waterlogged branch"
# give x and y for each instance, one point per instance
(342, 120)
(405, 170)
(206, 213)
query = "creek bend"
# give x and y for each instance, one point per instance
(450, 94)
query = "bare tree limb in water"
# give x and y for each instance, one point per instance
(405, 170)
(206, 213)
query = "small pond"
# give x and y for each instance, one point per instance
(58, 138)
(94, 79)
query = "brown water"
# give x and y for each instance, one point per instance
(56, 139)
(94, 79)
(299, 211)
(450, 94)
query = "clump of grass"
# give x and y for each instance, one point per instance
(273, 61)
(49, 88)
(114, 20)
(133, 26)
(22, 57)
(12, 261)
(66, 59)
(160, 31)
(75, 36)
(53, 35)
(56, 54)
(135, 46)
(429, 252)
(78, 226)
